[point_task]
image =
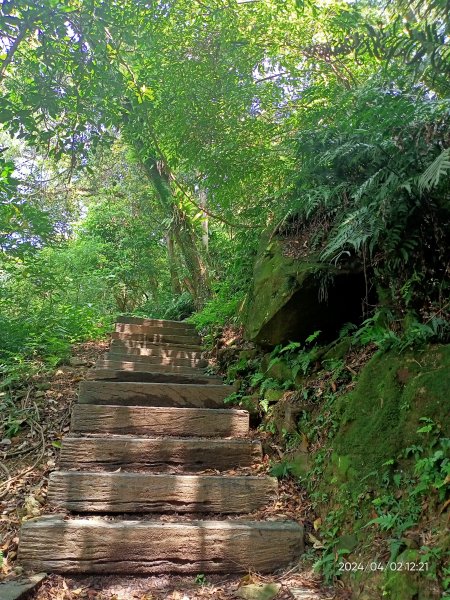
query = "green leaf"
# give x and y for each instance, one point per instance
(438, 169)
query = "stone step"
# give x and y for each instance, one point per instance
(20, 587)
(152, 349)
(151, 377)
(145, 492)
(131, 364)
(182, 340)
(155, 329)
(151, 434)
(124, 320)
(141, 420)
(158, 454)
(153, 394)
(96, 545)
(134, 354)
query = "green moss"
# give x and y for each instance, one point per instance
(273, 395)
(275, 280)
(248, 355)
(401, 586)
(406, 583)
(347, 542)
(342, 467)
(250, 403)
(381, 416)
(376, 422)
(300, 464)
(427, 395)
(338, 350)
(280, 371)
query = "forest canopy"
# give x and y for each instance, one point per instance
(147, 146)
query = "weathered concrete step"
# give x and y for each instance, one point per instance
(159, 454)
(141, 420)
(152, 349)
(151, 377)
(135, 354)
(140, 547)
(140, 365)
(182, 340)
(154, 323)
(153, 394)
(145, 492)
(152, 329)
(20, 588)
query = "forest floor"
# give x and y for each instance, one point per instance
(43, 417)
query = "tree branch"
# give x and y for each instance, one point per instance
(271, 77)
(15, 45)
(208, 212)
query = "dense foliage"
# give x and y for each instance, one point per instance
(171, 132)
(148, 147)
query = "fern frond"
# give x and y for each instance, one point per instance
(368, 184)
(432, 175)
(356, 230)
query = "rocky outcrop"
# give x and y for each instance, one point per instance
(291, 298)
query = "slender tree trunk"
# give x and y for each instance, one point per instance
(205, 222)
(173, 267)
(186, 242)
(182, 230)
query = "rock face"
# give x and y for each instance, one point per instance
(287, 300)
(383, 411)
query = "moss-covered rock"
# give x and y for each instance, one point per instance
(347, 541)
(300, 464)
(285, 302)
(405, 581)
(272, 396)
(375, 423)
(381, 416)
(337, 350)
(342, 467)
(248, 354)
(285, 413)
(280, 371)
(250, 403)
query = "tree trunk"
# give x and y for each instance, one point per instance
(173, 267)
(205, 222)
(182, 230)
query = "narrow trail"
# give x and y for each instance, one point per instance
(156, 476)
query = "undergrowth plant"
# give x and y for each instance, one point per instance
(412, 486)
(374, 194)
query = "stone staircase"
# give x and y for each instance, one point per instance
(148, 424)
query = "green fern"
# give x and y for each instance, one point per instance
(438, 169)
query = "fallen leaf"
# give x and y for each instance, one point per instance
(32, 506)
(247, 579)
(317, 544)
